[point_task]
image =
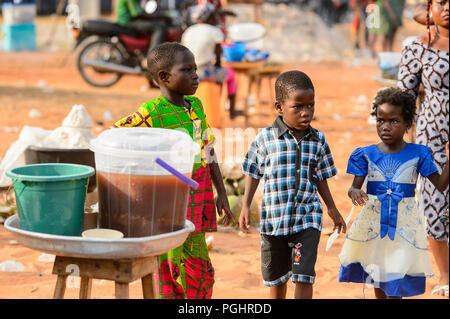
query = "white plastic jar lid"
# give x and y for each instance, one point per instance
(139, 141)
(133, 150)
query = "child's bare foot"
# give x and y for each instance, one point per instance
(440, 290)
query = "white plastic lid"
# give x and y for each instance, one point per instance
(135, 149)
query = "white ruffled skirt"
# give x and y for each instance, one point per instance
(400, 266)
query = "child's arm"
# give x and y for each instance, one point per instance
(251, 184)
(324, 191)
(441, 181)
(358, 196)
(135, 119)
(222, 199)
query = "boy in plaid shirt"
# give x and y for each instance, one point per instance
(186, 271)
(295, 161)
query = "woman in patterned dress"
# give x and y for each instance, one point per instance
(425, 61)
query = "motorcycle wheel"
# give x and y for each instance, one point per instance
(102, 51)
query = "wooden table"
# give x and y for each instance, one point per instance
(268, 71)
(245, 68)
(254, 72)
(122, 272)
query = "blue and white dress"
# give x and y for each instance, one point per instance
(386, 245)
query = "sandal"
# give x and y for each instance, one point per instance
(440, 290)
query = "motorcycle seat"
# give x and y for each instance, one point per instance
(107, 28)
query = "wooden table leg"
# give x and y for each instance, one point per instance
(121, 290)
(85, 288)
(122, 272)
(60, 287)
(246, 104)
(147, 286)
(258, 104)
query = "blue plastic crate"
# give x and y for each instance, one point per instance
(18, 37)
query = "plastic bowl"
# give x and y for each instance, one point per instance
(42, 155)
(102, 233)
(51, 197)
(234, 52)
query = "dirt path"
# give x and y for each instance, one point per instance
(49, 83)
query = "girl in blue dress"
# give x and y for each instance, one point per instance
(386, 245)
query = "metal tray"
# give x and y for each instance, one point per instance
(73, 246)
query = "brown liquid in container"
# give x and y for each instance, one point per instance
(141, 205)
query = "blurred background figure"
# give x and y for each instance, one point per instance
(130, 13)
(221, 19)
(389, 19)
(359, 8)
(331, 11)
(205, 39)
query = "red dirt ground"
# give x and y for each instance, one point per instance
(50, 83)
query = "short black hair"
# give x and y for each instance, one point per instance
(162, 57)
(396, 97)
(289, 81)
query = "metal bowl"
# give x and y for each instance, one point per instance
(100, 248)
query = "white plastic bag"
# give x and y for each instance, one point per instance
(15, 156)
(335, 234)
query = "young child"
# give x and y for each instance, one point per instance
(386, 245)
(295, 161)
(185, 272)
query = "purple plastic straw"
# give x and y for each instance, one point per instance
(176, 173)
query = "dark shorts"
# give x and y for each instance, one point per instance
(289, 256)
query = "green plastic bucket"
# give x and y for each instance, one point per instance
(50, 198)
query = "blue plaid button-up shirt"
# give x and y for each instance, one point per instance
(291, 170)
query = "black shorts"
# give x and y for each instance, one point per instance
(289, 256)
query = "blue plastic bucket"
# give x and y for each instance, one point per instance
(234, 52)
(19, 37)
(50, 198)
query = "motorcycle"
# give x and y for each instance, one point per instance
(109, 50)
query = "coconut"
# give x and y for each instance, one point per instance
(235, 203)
(240, 187)
(235, 206)
(231, 169)
(254, 213)
(229, 188)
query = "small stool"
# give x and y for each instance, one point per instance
(269, 72)
(122, 272)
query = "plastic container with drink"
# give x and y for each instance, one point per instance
(137, 196)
